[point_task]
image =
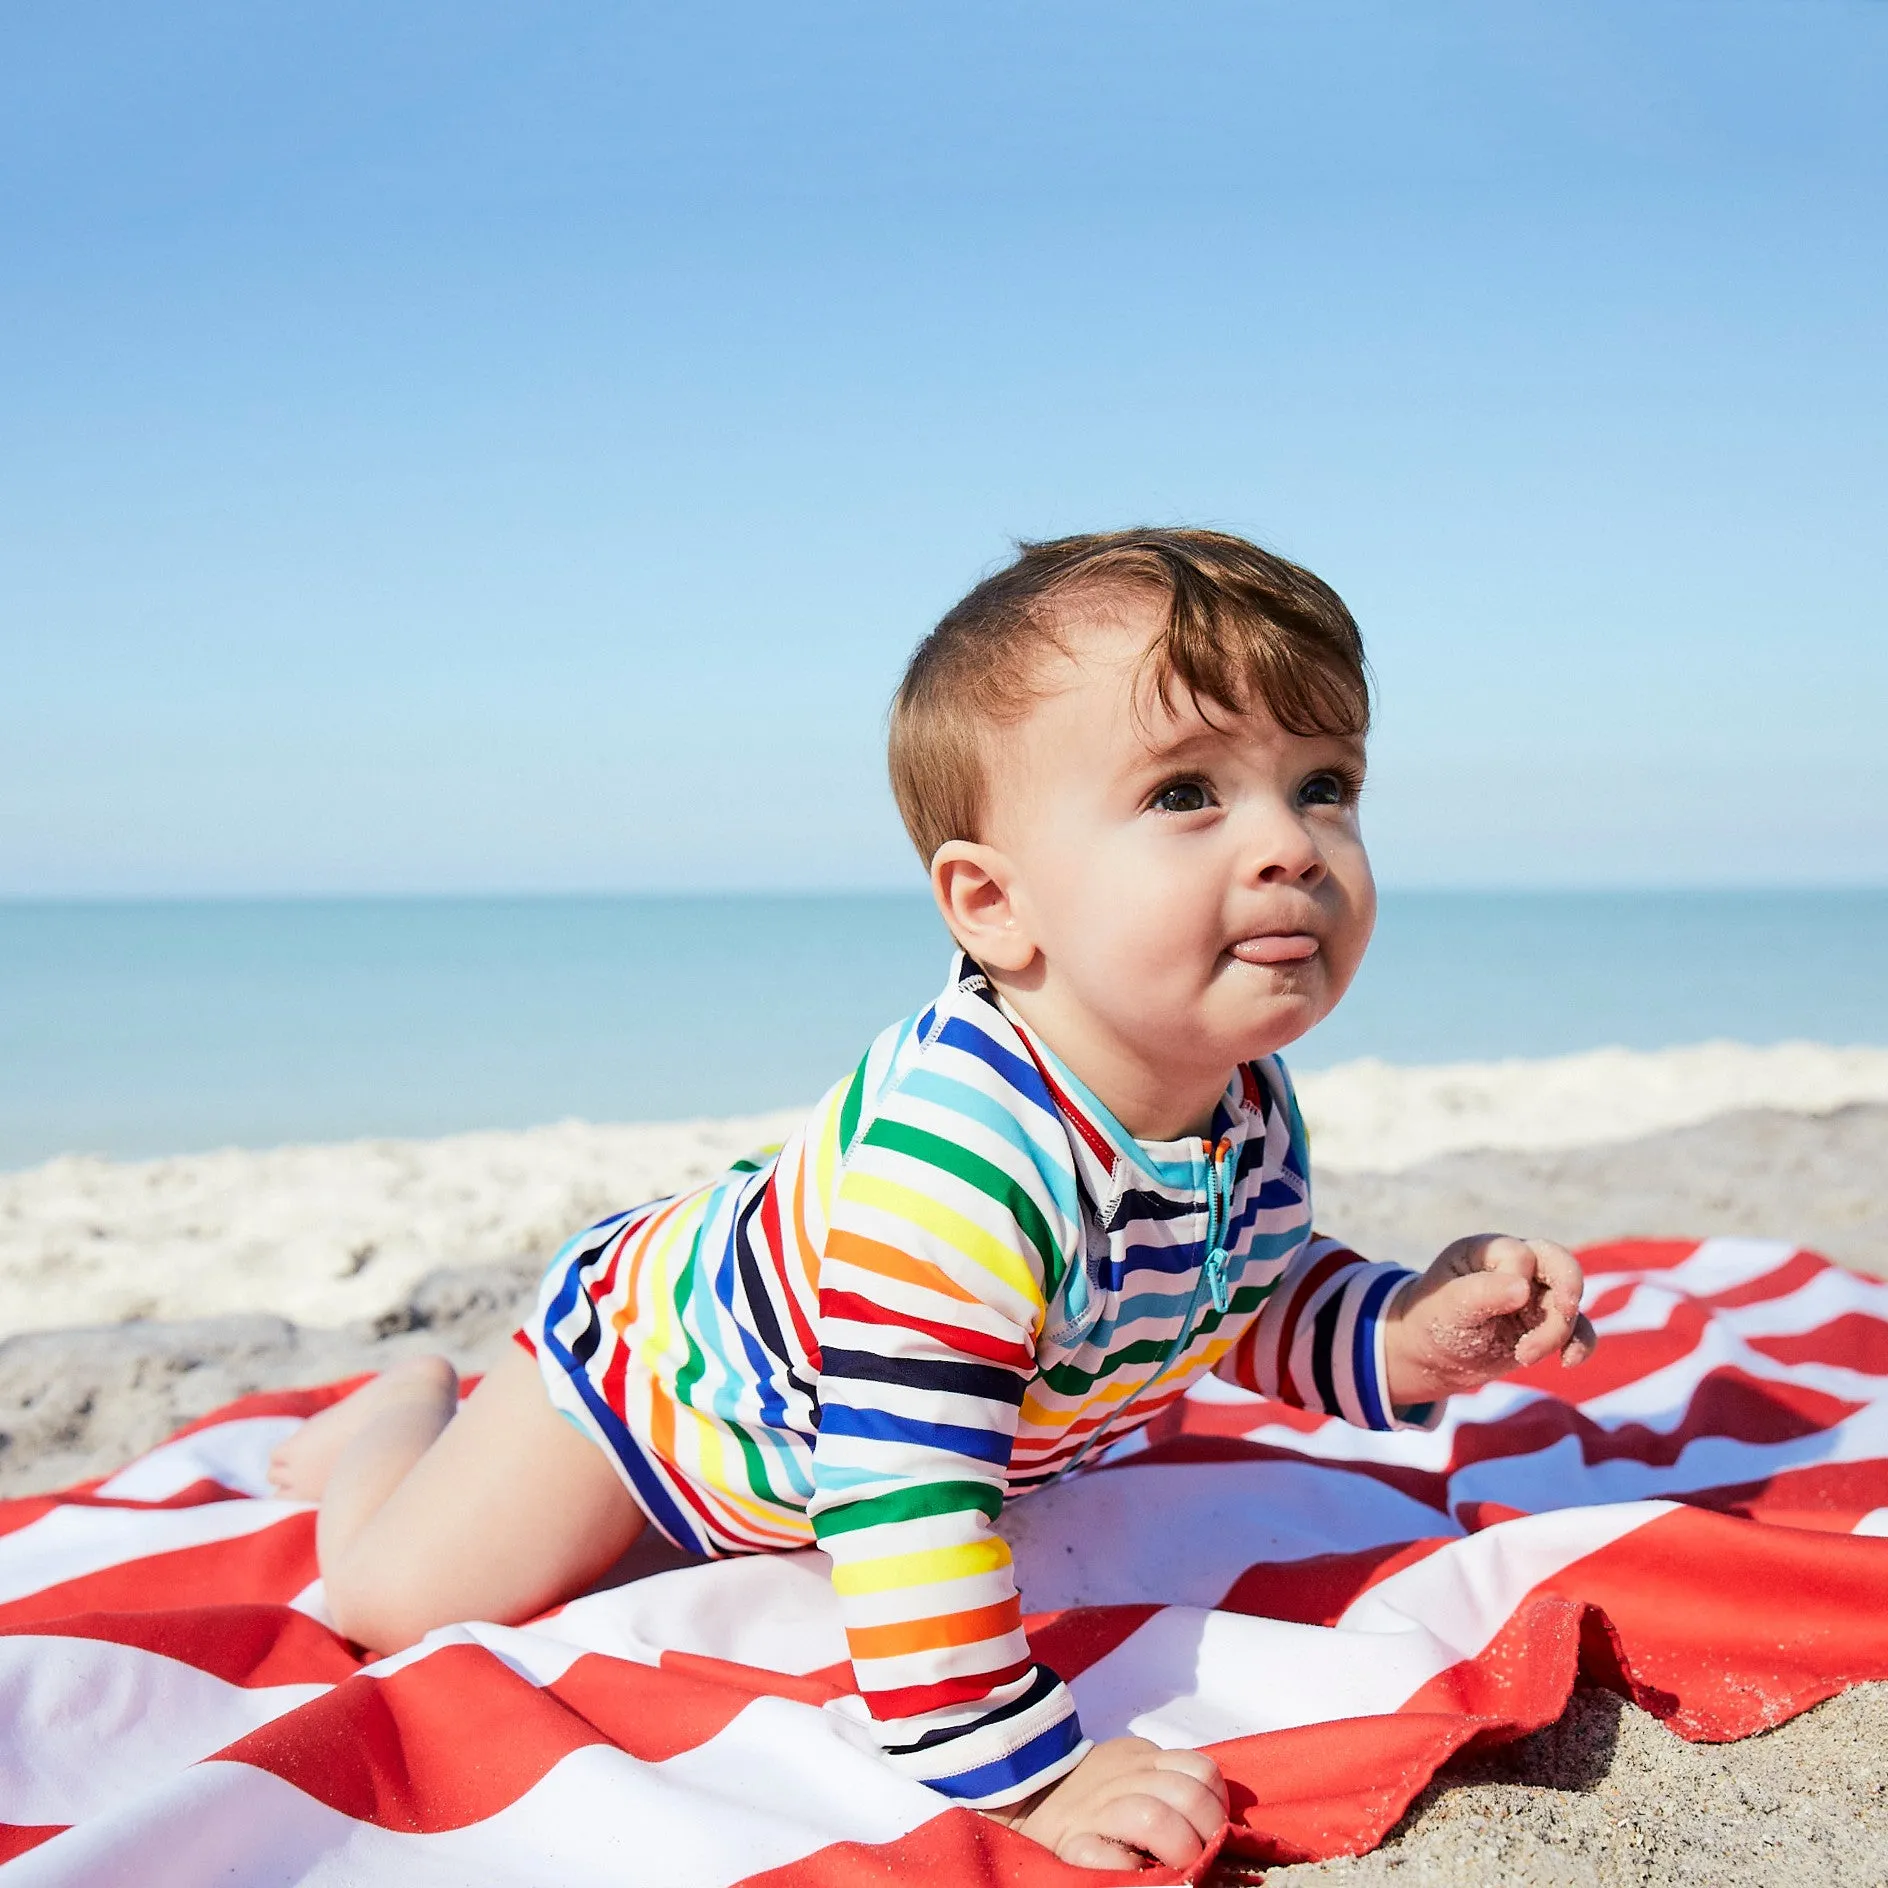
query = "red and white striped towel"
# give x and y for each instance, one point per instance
(1331, 1612)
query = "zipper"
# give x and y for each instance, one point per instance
(1218, 1220)
(1212, 1275)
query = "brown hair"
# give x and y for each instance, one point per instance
(1241, 625)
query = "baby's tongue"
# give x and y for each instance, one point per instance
(1283, 947)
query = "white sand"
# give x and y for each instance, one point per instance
(1370, 1117)
(327, 1235)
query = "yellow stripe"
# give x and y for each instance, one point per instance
(964, 1236)
(921, 1569)
(828, 1156)
(710, 1463)
(662, 1344)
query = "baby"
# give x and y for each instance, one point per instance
(1031, 1217)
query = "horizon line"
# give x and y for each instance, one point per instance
(914, 893)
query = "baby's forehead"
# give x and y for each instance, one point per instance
(1104, 666)
(1102, 710)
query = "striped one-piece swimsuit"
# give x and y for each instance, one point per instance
(957, 1280)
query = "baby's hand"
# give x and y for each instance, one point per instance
(1128, 1803)
(1488, 1305)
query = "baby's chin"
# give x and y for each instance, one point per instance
(1264, 1022)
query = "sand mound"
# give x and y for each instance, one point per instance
(1373, 1117)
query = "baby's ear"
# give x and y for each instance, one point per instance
(972, 885)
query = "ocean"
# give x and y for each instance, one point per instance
(139, 1029)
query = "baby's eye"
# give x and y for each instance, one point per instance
(1327, 789)
(1182, 796)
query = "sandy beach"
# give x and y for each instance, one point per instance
(135, 1296)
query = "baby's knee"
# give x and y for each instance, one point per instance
(376, 1602)
(427, 1376)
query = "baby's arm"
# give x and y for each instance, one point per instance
(1381, 1346)
(1319, 1340)
(927, 1316)
(932, 1290)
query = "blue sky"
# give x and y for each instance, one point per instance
(478, 447)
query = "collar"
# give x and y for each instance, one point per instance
(1174, 1166)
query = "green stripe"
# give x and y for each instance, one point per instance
(1068, 1380)
(910, 1504)
(757, 1481)
(986, 1176)
(849, 1109)
(691, 1372)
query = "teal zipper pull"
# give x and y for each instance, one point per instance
(1216, 1263)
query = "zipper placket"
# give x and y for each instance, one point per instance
(1212, 1274)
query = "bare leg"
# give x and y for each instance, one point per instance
(498, 1513)
(300, 1467)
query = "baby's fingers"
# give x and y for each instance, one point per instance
(1560, 1284)
(1480, 1296)
(1559, 1271)
(1143, 1822)
(1583, 1343)
(1190, 1783)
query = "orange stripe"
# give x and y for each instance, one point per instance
(889, 1262)
(639, 1236)
(930, 1635)
(809, 1252)
(661, 1423)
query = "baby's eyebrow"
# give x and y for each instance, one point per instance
(1195, 742)
(1182, 743)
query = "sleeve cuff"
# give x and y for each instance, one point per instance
(1375, 1397)
(1001, 1758)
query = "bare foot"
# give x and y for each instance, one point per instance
(300, 1467)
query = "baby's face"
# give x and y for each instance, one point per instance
(1196, 894)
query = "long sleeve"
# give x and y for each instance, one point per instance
(1318, 1342)
(944, 1242)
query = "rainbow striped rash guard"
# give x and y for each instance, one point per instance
(957, 1280)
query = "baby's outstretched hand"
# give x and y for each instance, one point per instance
(1128, 1803)
(1487, 1305)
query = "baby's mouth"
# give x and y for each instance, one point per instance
(1275, 947)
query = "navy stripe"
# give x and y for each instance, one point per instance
(1173, 1261)
(1042, 1683)
(1323, 1344)
(654, 1496)
(989, 1381)
(766, 1345)
(1143, 1203)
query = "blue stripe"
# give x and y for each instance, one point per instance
(1005, 1773)
(1163, 1261)
(762, 1370)
(881, 1425)
(655, 1498)
(1022, 1076)
(1363, 1350)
